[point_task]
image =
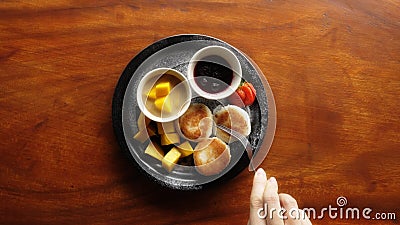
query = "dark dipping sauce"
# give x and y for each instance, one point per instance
(212, 75)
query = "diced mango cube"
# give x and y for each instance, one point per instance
(164, 128)
(186, 149)
(142, 121)
(162, 89)
(170, 159)
(168, 139)
(141, 136)
(152, 94)
(163, 104)
(155, 151)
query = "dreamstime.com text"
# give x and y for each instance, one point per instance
(333, 212)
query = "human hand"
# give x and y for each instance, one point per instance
(265, 193)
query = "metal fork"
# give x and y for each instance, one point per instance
(243, 140)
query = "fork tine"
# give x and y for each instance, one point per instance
(243, 140)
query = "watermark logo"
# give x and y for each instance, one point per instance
(341, 201)
(333, 212)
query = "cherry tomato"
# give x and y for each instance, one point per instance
(244, 95)
(252, 87)
(237, 98)
(249, 95)
(241, 94)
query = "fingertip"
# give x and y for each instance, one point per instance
(260, 177)
(260, 172)
(272, 180)
(287, 200)
(272, 184)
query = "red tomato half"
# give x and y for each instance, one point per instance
(247, 94)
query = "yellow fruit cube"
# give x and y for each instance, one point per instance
(186, 149)
(155, 151)
(170, 159)
(141, 136)
(142, 121)
(163, 104)
(163, 89)
(165, 128)
(168, 139)
(152, 94)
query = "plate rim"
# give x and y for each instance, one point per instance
(120, 91)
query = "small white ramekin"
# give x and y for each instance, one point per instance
(151, 77)
(233, 62)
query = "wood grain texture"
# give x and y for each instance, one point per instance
(334, 68)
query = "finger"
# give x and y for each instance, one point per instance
(292, 209)
(271, 199)
(256, 197)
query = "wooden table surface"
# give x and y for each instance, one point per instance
(333, 66)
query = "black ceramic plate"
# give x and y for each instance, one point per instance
(175, 52)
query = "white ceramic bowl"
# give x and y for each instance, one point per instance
(229, 57)
(181, 95)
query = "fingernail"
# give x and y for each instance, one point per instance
(273, 180)
(260, 172)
